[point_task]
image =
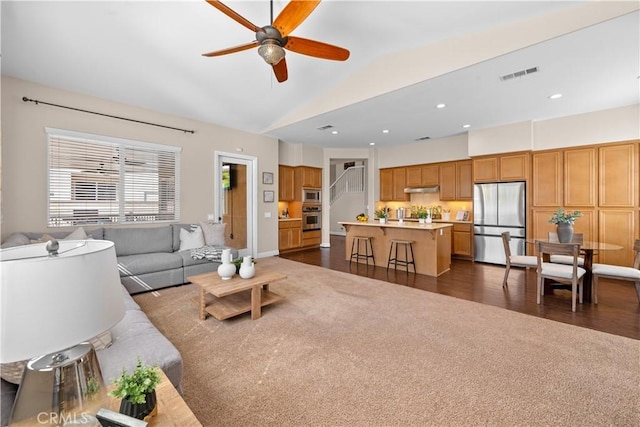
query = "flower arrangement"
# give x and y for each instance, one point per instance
(564, 217)
(134, 387)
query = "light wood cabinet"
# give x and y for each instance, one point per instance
(547, 179)
(617, 164)
(392, 184)
(485, 169)
(462, 240)
(580, 177)
(617, 226)
(504, 168)
(311, 238)
(386, 185)
(289, 234)
(422, 175)
(309, 177)
(464, 180)
(448, 181)
(286, 183)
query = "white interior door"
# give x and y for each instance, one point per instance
(235, 190)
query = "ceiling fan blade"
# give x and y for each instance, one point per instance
(280, 70)
(294, 13)
(317, 49)
(233, 15)
(232, 49)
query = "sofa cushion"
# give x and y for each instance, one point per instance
(132, 241)
(16, 239)
(191, 239)
(148, 263)
(213, 233)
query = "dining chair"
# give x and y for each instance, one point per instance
(525, 261)
(564, 259)
(561, 273)
(631, 274)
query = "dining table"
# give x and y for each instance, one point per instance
(588, 249)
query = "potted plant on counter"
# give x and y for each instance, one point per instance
(137, 390)
(564, 221)
(381, 214)
(420, 212)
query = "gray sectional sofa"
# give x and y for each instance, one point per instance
(148, 259)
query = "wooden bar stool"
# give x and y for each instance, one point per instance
(362, 242)
(406, 262)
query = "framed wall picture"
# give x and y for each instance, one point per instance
(267, 177)
(268, 196)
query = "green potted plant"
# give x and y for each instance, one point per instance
(381, 214)
(564, 221)
(137, 390)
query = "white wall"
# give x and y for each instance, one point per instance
(429, 151)
(24, 154)
(503, 139)
(619, 124)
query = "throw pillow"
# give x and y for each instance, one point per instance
(191, 239)
(12, 372)
(44, 239)
(213, 233)
(77, 234)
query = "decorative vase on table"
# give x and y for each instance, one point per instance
(140, 410)
(565, 232)
(227, 269)
(247, 269)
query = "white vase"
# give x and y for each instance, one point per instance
(428, 220)
(247, 269)
(446, 216)
(382, 220)
(227, 269)
(422, 220)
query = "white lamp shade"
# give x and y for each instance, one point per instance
(50, 303)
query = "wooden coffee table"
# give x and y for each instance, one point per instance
(227, 298)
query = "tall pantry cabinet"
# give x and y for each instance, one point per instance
(601, 182)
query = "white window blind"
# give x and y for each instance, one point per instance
(99, 180)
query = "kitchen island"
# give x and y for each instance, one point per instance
(431, 242)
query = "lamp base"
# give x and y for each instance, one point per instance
(61, 388)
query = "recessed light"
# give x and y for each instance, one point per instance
(372, 143)
(385, 130)
(335, 132)
(555, 96)
(466, 126)
(441, 105)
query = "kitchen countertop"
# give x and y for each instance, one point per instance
(450, 221)
(289, 219)
(396, 224)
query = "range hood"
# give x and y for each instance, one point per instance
(432, 189)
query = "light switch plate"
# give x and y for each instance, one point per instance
(267, 214)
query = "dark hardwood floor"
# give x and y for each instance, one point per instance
(617, 312)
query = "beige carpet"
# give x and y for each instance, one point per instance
(344, 350)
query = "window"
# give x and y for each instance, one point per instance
(97, 180)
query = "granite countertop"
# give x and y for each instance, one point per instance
(289, 219)
(450, 221)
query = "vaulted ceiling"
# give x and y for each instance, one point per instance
(406, 57)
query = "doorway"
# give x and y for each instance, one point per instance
(235, 187)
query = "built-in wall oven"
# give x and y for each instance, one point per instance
(311, 217)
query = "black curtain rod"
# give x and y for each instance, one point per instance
(25, 99)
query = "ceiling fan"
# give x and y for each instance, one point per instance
(273, 39)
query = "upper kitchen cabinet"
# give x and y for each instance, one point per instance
(309, 177)
(547, 179)
(422, 175)
(392, 184)
(504, 168)
(617, 164)
(286, 183)
(456, 180)
(580, 177)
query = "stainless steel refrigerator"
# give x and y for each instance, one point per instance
(499, 207)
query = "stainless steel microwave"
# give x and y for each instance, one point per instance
(311, 195)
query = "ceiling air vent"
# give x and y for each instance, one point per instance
(520, 73)
(423, 138)
(325, 127)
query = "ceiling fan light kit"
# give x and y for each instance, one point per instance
(271, 52)
(272, 40)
